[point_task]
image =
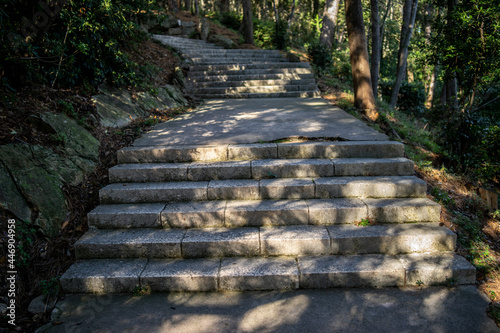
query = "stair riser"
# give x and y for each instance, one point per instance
(253, 60)
(248, 66)
(237, 78)
(253, 90)
(122, 276)
(258, 190)
(241, 152)
(252, 83)
(231, 74)
(259, 169)
(266, 241)
(260, 95)
(231, 214)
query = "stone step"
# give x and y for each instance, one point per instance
(277, 273)
(257, 213)
(260, 169)
(231, 56)
(252, 89)
(273, 189)
(250, 83)
(304, 240)
(237, 60)
(302, 94)
(216, 69)
(258, 151)
(259, 77)
(260, 71)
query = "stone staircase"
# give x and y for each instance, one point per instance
(264, 216)
(215, 72)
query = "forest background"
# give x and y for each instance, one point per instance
(426, 72)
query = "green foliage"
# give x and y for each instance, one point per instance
(51, 287)
(231, 20)
(141, 291)
(25, 236)
(83, 43)
(320, 55)
(263, 32)
(411, 96)
(279, 36)
(442, 196)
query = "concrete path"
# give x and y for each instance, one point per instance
(233, 121)
(433, 309)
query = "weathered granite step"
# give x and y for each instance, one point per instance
(280, 273)
(260, 71)
(216, 69)
(265, 241)
(301, 94)
(257, 213)
(252, 83)
(236, 60)
(251, 89)
(251, 189)
(260, 169)
(257, 151)
(222, 79)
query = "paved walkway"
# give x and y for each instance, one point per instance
(434, 309)
(232, 121)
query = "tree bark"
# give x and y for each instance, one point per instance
(431, 72)
(173, 5)
(247, 22)
(187, 5)
(451, 83)
(327, 34)
(409, 14)
(363, 93)
(375, 57)
(224, 6)
(197, 7)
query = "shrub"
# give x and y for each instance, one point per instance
(320, 55)
(411, 96)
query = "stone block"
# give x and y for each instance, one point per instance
(152, 172)
(336, 211)
(126, 216)
(181, 275)
(154, 192)
(201, 214)
(369, 270)
(391, 239)
(286, 188)
(101, 276)
(266, 212)
(254, 151)
(221, 242)
(130, 243)
(220, 170)
(295, 240)
(373, 167)
(403, 210)
(244, 189)
(438, 269)
(297, 168)
(370, 187)
(259, 274)
(172, 154)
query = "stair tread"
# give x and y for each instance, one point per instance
(122, 275)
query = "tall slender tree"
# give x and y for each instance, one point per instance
(327, 34)
(247, 22)
(409, 14)
(375, 56)
(363, 92)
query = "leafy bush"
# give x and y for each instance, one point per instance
(320, 55)
(70, 43)
(263, 33)
(231, 20)
(279, 35)
(411, 96)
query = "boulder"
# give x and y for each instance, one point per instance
(221, 41)
(175, 31)
(40, 305)
(188, 30)
(188, 24)
(292, 57)
(115, 107)
(10, 197)
(176, 94)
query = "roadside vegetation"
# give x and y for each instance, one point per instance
(444, 108)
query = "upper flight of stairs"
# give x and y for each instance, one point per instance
(267, 216)
(216, 72)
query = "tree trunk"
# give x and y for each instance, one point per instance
(290, 19)
(451, 83)
(430, 80)
(187, 5)
(327, 34)
(197, 7)
(224, 6)
(363, 93)
(432, 87)
(375, 63)
(409, 14)
(247, 22)
(173, 5)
